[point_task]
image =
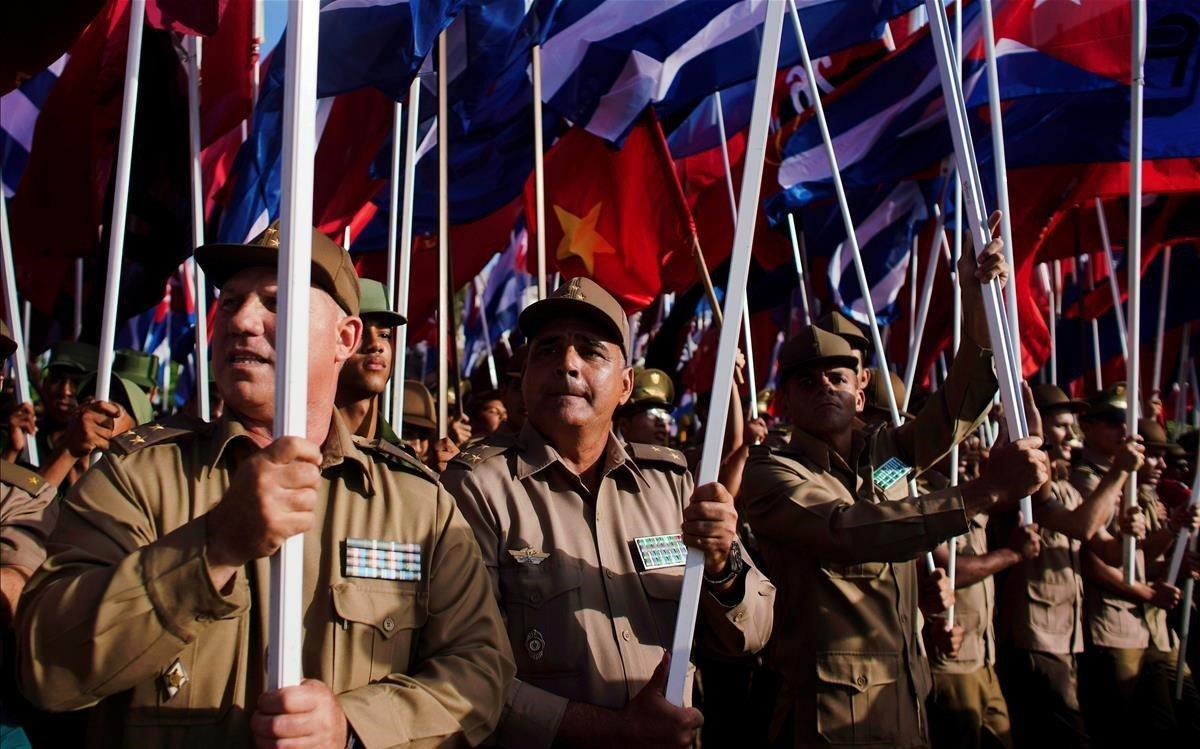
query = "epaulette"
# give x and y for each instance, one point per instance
(645, 453)
(21, 478)
(397, 457)
(482, 451)
(155, 433)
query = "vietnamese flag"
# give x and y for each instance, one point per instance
(614, 215)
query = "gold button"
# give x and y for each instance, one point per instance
(626, 635)
(861, 681)
(388, 624)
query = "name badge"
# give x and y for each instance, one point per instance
(889, 473)
(382, 560)
(658, 552)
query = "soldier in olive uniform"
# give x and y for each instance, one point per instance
(581, 534)
(365, 375)
(154, 603)
(646, 416)
(837, 530)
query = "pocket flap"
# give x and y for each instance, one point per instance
(388, 610)
(858, 671)
(533, 585)
(1052, 594)
(664, 584)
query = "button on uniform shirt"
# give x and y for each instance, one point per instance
(1114, 621)
(840, 547)
(587, 618)
(124, 616)
(974, 606)
(1042, 605)
(27, 515)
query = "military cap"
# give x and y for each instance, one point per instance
(1108, 403)
(1051, 398)
(764, 399)
(419, 410)
(814, 346)
(332, 270)
(579, 297)
(76, 355)
(374, 305)
(1153, 434)
(652, 388)
(125, 392)
(138, 367)
(8, 346)
(877, 394)
(836, 322)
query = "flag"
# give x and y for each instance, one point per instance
(34, 35)
(19, 110)
(597, 226)
(227, 61)
(497, 292)
(615, 58)
(197, 17)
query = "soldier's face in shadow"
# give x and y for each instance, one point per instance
(366, 372)
(575, 377)
(1104, 434)
(823, 400)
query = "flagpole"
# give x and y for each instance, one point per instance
(539, 172)
(791, 219)
(1133, 260)
(751, 381)
(17, 330)
(1091, 286)
(393, 230)
(739, 269)
(1156, 377)
(997, 123)
(487, 337)
(956, 318)
(1122, 329)
(938, 242)
(292, 333)
(1051, 320)
(406, 241)
(78, 322)
(1008, 370)
(913, 265)
(443, 312)
(120, 208)
(193, 48)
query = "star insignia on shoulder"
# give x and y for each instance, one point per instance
(656, 448)
(473, 457)
(34, 480)
(137, 439)
(157, 427)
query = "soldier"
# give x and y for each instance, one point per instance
(69, 362)
(834, 524)
(365, 375)
(646, 416)
(487, 413)
(581, 534)
(837, 323)
(154, 603)
(877, 409)
(420, 419)
(139, 368)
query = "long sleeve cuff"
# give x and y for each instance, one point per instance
(531, 717)
(179, 587)
(742, 627)
(944, 515)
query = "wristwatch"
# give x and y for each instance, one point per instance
(734, 564)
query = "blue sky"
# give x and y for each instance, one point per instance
(274, 19)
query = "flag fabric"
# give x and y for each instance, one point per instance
(615, 58)
(227, 61)
(597, 226)
(34, 35)
(196, 17)
(498, 292)
(19, 110)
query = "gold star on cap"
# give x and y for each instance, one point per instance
(270, 237)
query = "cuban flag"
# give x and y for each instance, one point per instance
(613, 58)
(498, 293)
(19, 110)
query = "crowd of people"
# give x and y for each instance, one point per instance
(516, 582)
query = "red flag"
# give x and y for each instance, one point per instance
(359, 123)
(198, 17)
(227, 61)
(614, 215)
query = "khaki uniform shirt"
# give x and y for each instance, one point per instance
(587, 621)
(124, 616)
(1043, 596)
(840, 547)
(974, 607)
(27, 515)
(1114, 621)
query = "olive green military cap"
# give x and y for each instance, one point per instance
(374, 307)
(1051, 399)
(652, 388)
(124, 391)
(579, 297)
(877, 399)
(1153, 434)
(1108, 403)
(8, 346)
(138, 367)
(419, 409)
(814, 347)
(75, 355)
(332, 270)
(836, 322)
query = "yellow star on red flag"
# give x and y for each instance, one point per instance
(580, 237)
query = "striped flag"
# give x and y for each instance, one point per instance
(19, 110)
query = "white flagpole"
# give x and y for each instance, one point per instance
(120, 209)
(1122, 329)
(78, 322)
(443, 312)
(19, 334)
(291, 334)
(913, 267)
(393, 229)
(1095, 324)
(938, 242)
(956, 319)
(799, 268)
(193, 48)
(406, 235)
(739, 268)
(1133, 260)
(539, 172)
(487, 335)
(1008, 371)
(1156, 377)
(1181, 537)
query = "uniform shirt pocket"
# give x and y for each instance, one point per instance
(1050, 606)
(542, 605)
(663, 588)
(380, 620)
(858, 699)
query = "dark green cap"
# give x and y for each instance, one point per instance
(374, 305)
(652, 388)
(74, 355)
(138, 367)
(125, 392)
(813, 347)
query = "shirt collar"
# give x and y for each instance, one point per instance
(535, 454)
(819, 452)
